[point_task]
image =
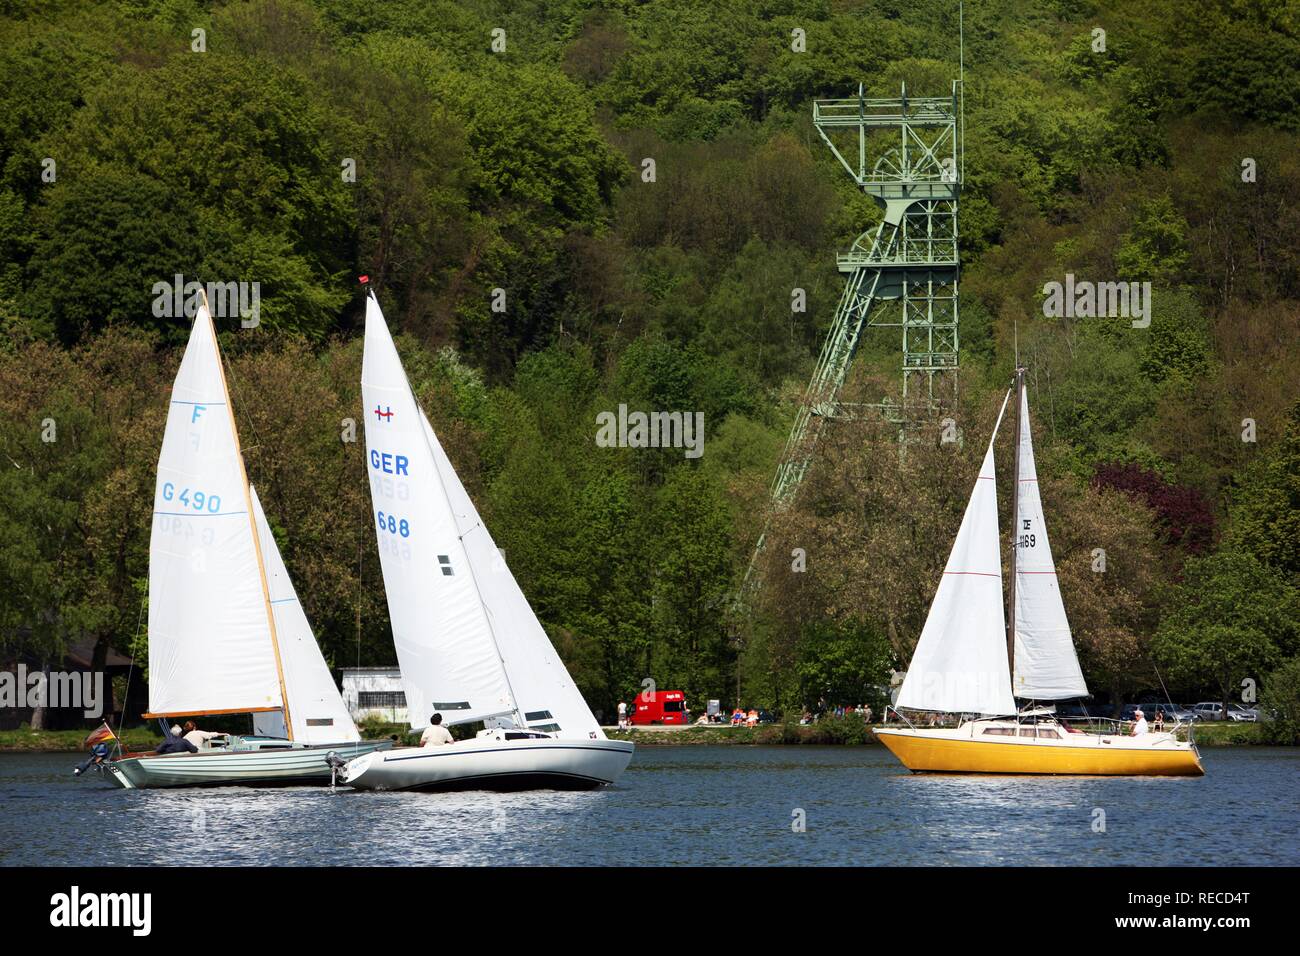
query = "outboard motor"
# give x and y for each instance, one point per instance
(98, 754)
(335, 763)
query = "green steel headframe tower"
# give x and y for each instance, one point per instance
(907, 154)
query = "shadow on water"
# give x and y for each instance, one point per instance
(727, 805)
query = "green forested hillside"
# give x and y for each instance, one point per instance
(127, 157)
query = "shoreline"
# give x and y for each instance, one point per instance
(833, 733)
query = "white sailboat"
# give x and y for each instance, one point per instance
(227, 634)
(469, 645)
(963, 663)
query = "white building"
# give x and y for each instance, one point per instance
(374, 692)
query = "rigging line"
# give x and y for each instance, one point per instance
(126, 693)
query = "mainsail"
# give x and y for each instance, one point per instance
(1046, 667)
(316, 708)
(445, 645)
(210, 641)
(960, 662)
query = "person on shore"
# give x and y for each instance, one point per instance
(737, 716)
(866, 713)
(1159, 724)
(199, 738)
(622, 715)
(1139, 723)
(436, 735)
(176, 744)
(752, 719)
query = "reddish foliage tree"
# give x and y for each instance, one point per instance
(1184, 515)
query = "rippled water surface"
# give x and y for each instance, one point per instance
(727, 805)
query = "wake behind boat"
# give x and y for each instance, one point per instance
(468, 643)
(964, 663)
(227, 634)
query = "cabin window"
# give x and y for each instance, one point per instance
(381, 698)
(547, 728)
(1049, 734)
(537, 715)
(445, 562)
(320, 721)
(451, 705)
(1000, 731)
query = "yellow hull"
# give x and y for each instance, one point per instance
(949, 755)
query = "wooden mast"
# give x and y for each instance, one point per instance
(1015, 533)
(252, 522)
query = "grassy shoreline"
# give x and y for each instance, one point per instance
(849, 733)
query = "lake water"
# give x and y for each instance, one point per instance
(723, 805)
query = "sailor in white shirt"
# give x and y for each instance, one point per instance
(435, 735)
(1139, 723)
(200, 738)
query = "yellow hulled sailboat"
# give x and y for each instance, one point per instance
(965, 664)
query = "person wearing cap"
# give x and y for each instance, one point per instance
(1139, 723)
(175, 743)
(436, 735)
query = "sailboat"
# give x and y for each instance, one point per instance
(468, 643)
(227, 634)
(964, 664)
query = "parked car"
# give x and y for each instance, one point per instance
(1208, 710)
(1213, 710)
(767, 717)
(1247, 715)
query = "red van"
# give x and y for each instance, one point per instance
(666, 707)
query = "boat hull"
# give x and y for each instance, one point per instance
(300, 765)
(493, 765)
(943, 751)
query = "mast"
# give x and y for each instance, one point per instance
(252, 523)
(1015, 531)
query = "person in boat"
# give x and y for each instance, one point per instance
(175, 743)
(1139, 723)
(436, 735)
(200, 737)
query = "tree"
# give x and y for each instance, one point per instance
(1265, 517)
(1232, 618)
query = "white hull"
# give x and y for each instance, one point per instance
(235, 767)
(537, 764)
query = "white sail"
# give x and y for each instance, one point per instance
(960, 663)
(547, 697)
(445, 645)
(316, 707)
(210, 645)
(1046, 667)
